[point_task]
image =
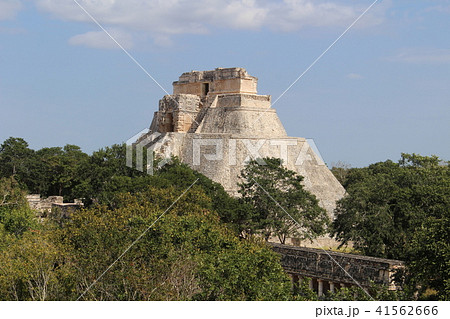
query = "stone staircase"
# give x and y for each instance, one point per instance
(198, 119)
(201, 114)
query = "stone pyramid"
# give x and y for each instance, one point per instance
(214, 121)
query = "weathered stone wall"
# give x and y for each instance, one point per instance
(244, 101)
(337, 267)
(233, 86)
(189, 88)
(220, 80)
(176, 113)
(245, 122)
(36, 203)
(46, 205)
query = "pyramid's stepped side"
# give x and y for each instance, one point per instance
(229, 117)
(215, 121)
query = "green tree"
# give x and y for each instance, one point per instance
(106, 175)
(341, 170)
(15, 215)
(401, 211)
(280, 205)
(374, 292)
(33, 268)
(62, 168)
(14, 153)
(48, 171)
(30, 263)
(230, 210)
(428, 262)
(187, 255)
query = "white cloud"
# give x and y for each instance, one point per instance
(100, 40)
(163, 18)
(354, 76)
(9, 8)
(292, 15)
(422, 56)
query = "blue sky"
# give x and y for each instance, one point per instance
(383, 89)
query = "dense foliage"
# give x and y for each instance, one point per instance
(278, 205)
(204, 247)
(401, 211)
(189, 254)
(192, 252)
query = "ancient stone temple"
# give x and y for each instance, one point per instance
(215, 121)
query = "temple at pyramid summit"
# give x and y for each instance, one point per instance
(215, 121)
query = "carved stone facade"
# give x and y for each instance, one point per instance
(176, 113)
(215, 121)
(218, 81)
(329, 270)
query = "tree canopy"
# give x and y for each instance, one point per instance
(208, 245)
(278, 204)
(191, 253)
(401, 211)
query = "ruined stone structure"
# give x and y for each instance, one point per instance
(329, 270)
(43, 206)
(215, 121)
